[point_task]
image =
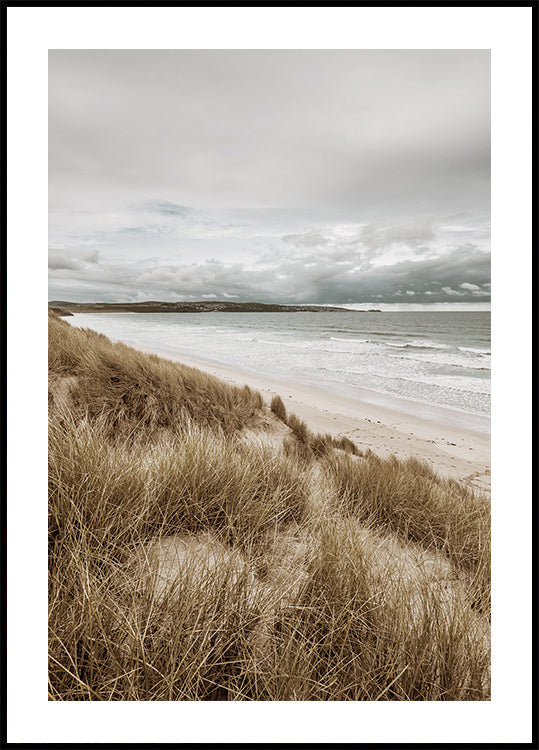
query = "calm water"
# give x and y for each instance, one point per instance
(437, 358)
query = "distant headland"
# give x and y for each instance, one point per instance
(63, 308)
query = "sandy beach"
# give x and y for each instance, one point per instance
(458, 452)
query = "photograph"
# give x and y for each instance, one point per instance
(269, 375)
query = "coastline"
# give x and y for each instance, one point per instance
(454, 451)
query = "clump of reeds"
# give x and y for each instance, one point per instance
(316, 444)
(408, 498)
(365, 626)
(278, 408)
(310, 443)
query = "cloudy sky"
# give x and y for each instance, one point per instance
(328, 177)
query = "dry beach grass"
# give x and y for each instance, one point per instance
(204, 545)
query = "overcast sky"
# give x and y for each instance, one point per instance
(331, 177)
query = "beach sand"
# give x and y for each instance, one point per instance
(451, 450)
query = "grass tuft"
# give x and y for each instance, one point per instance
(278, 408)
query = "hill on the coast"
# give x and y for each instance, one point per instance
(187, 307)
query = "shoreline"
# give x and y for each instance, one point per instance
(435, 404)
(454, 451)
(404, 406)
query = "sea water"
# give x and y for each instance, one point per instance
(440, 359)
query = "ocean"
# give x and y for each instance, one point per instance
(412, 359)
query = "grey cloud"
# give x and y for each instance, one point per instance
(62, 262)
(296, 169)
(65, 260)
(463, 274)
(377, 236)
(333, 130)
(308, 239)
